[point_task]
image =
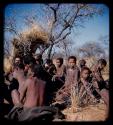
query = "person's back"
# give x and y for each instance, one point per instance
(34, 92)
(35, 87)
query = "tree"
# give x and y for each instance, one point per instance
(91, 49)
(66, 17)
(57, 23)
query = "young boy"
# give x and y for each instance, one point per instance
(86, 88)
(98, 81)
(72, 71)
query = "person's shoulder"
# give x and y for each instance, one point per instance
(29, 80)
(64, 66)
(77, 68)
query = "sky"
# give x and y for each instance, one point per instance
(93, 28)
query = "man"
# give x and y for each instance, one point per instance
(31, 94)
(38, 58)
(28, 61)
(35, 87)
(31, 90)
(17, 60)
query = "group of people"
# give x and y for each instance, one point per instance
(32, 82)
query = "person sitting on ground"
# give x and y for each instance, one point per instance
(63, 96)
(50, 69)
(34, 93)
(86, 89)
(98, 81)
(60, 69)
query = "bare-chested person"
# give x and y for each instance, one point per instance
(18, 74)
(31, 90)
(35, 87)
(28, 60)
(99, 82)
(30, 93)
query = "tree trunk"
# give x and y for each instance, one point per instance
(49, 51)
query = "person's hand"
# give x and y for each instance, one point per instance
(54, 78)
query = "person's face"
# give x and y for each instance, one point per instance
(101, 66)
(82, 64)
(71, 63)
(85, 74)
(30, 73)
(58, 63)
(17, 60)
(26, 68)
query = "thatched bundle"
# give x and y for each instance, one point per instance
(30, 39)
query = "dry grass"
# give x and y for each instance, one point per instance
(7, 62)
(35, 32)
(89, 113)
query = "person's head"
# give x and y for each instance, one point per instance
(18, 69)
(101, 63)
(82, 63)
(85, 73)
(72, 61)
(48, 62)
(28, 61)
(17, 60)
(36, 71)
(59, 62)
(38, 58)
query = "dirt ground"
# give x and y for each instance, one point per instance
(89, 113)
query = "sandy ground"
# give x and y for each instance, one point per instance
(90, 113)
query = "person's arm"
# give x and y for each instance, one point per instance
(23, 93)
(15, 97)
(42, 95)
(81, 91)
